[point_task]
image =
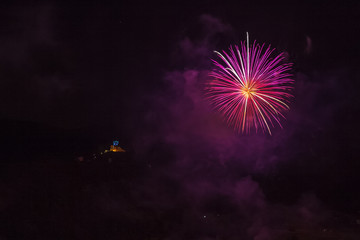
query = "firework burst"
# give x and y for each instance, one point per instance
(249, 88)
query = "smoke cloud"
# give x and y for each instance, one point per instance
(215, 169)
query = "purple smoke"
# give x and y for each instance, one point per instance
(212, 167)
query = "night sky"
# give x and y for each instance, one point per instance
(76, 76)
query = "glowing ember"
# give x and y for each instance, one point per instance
(250, 89)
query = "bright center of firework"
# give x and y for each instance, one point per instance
(247, 91)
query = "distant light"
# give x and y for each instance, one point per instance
(116, 148)
(204, 216)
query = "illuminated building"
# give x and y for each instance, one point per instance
(115, 147)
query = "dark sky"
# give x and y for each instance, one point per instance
(137, 70)
(82, 64)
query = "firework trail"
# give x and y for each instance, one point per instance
(250, 89)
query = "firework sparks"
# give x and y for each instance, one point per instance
(249, 88)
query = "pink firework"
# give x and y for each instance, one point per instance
(249, 88)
